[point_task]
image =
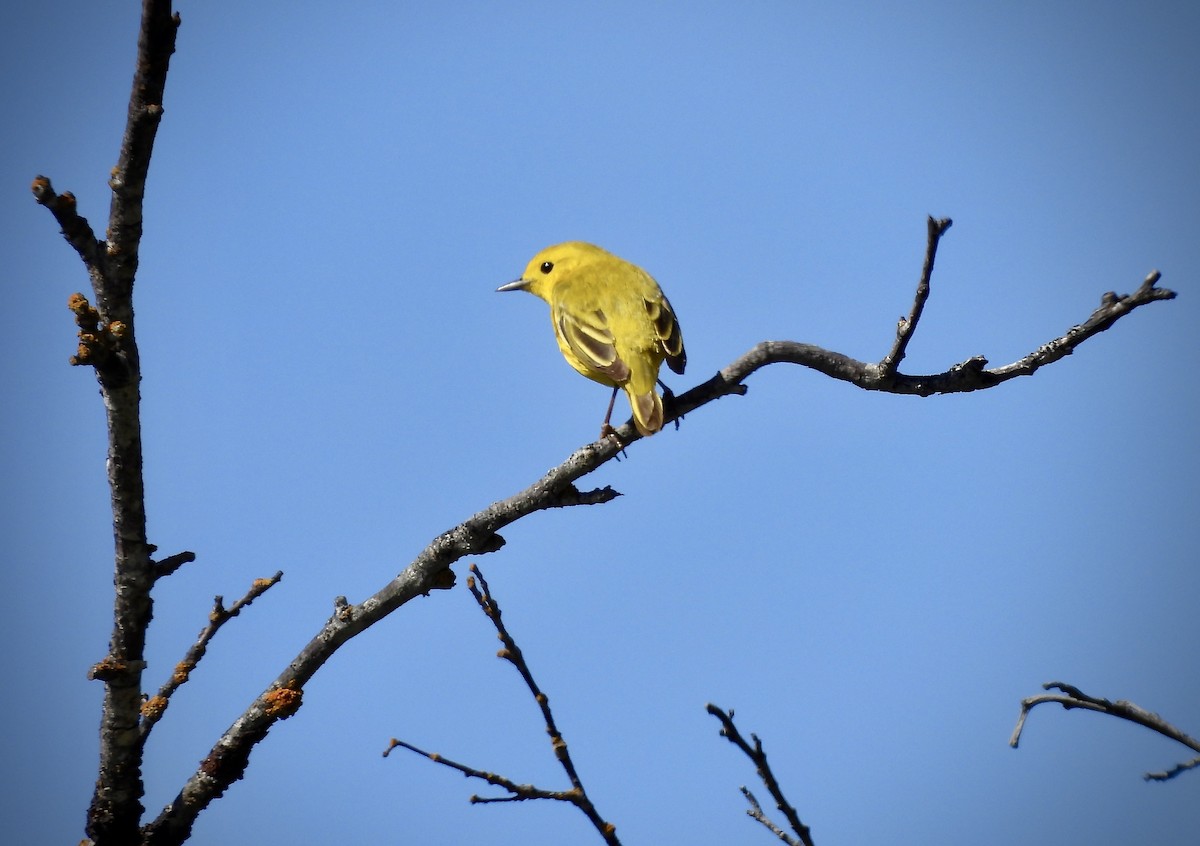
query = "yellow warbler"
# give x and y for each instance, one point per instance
(612, 322)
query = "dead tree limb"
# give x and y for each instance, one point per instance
(107, 342)
(155, 706)
(758, 757)
(1072, 697)
(577, 795)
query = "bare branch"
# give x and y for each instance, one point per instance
(512, 653)
(577, 795)
(759, 758)
(107, 342)
(972, 374)
(757, 813)
(1073, 697)
(520, 792)
(167, 566)
(906, 326)
(429, 571)
(1167, 775)
(75, 228)
(154, 707)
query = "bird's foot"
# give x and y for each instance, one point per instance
(607, 431)
(668, 401)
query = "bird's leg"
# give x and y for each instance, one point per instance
(669, 404)
(606, 430)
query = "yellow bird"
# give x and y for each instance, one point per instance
(612, 323)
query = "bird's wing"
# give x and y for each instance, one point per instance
(587, 335)
(667, 328)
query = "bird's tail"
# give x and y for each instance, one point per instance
(647, 410)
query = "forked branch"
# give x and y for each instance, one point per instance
(754, 751)
(1072, 697)
(576, 795)
(155, 706)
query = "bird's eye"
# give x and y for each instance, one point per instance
(547, 266)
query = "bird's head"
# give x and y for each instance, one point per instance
(554, 264)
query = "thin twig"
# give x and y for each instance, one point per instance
(1167, 775)
(906, 326)
(757, 813)
(577, 795)
(512, 653)
(759, 758)
(1073, 697)
(168, 565)
(520, 792)
(154, 707)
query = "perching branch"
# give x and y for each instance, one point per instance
(971, 374)
(1073, 697)
(759, 758)
(577, 795)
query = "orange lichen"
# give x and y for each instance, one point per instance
(153, 707)
(107, 668)
(79, 304)
(283, 702)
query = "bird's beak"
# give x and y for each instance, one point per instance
(515, 285)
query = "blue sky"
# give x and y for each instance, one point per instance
(872, 581)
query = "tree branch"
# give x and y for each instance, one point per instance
(972, 374)
(166, 566)
(758, 757)
(520, 792)
(154, 707)
(755, 812)
(577, 795)
(107, 342)
(1073, 697)
(906, 326)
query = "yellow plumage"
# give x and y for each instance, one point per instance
(612, 323)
